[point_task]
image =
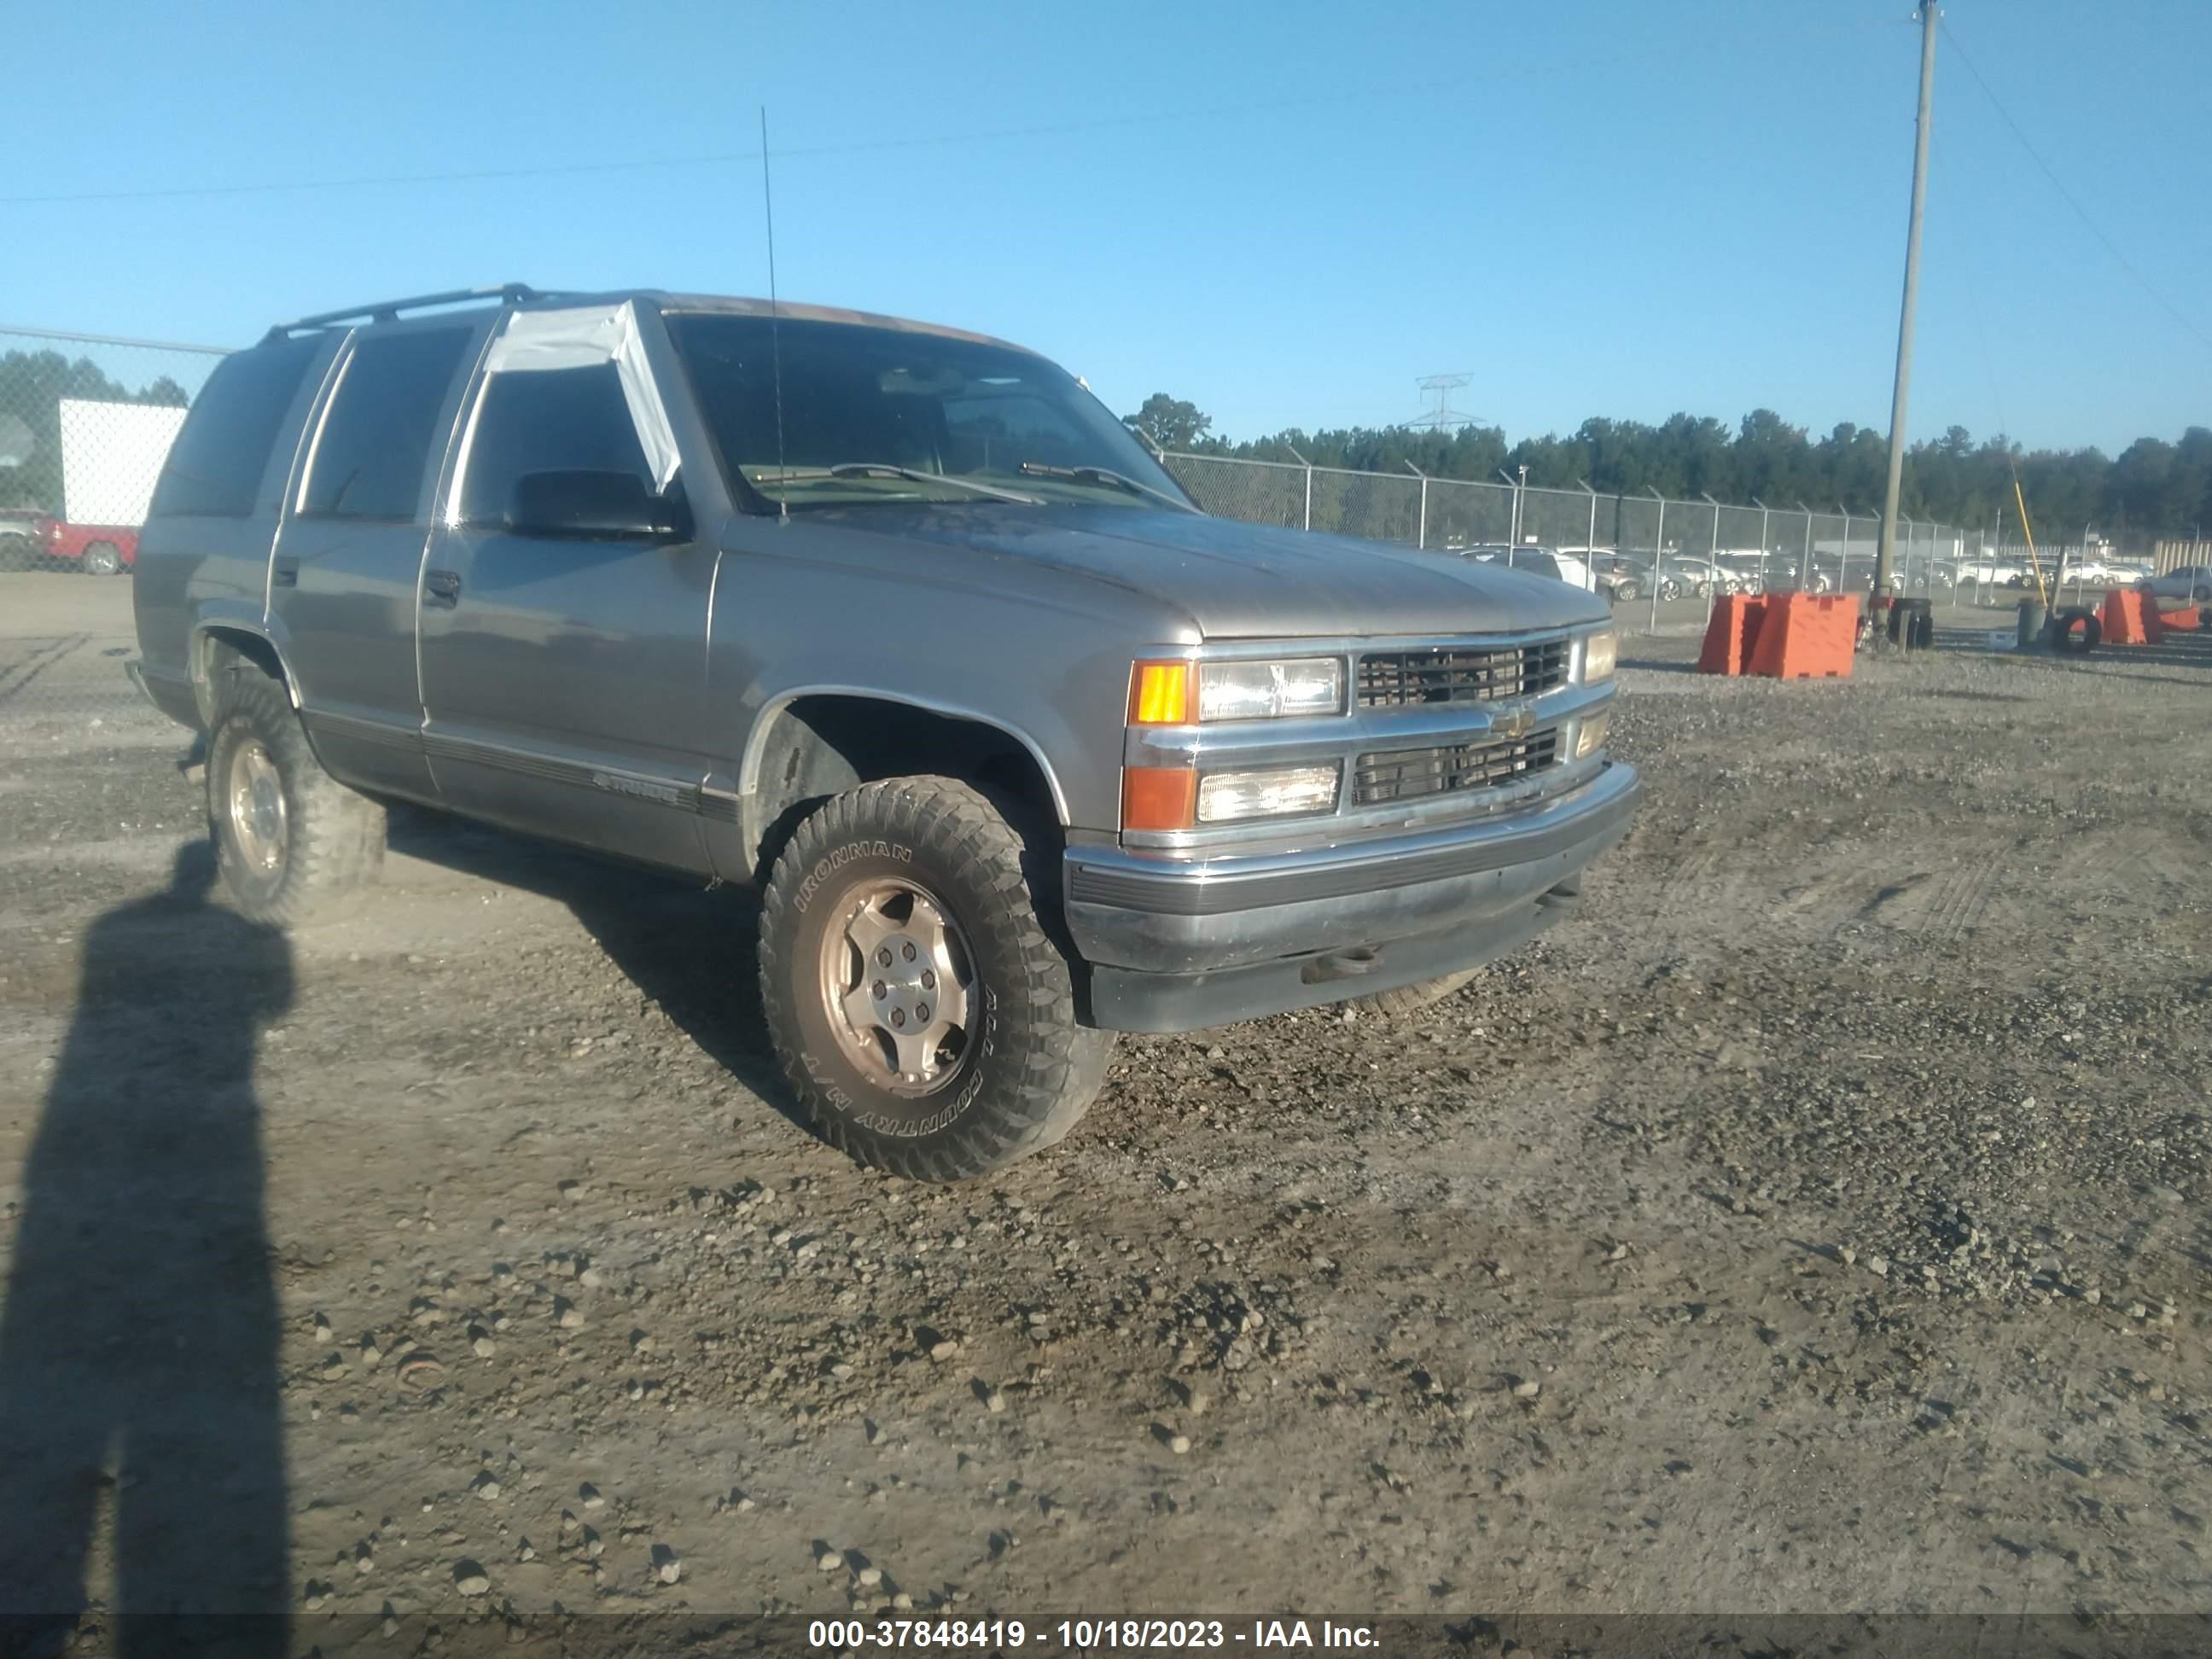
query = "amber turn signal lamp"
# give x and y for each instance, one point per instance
(1159, 798)
(1159, 693)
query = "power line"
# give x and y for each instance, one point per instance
(1516, 74)
(2059, 184)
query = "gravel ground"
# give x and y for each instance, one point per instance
(1814, 1223)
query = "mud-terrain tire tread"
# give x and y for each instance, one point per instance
(337, 834)
(1062, 1063)
(1422, 993)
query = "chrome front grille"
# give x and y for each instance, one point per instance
(1401, 774)
(1411, 679)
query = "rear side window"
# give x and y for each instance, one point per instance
(555, 420)
(214, 467)
(382, 426)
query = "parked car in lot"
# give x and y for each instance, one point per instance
(1755, 574)
(18, 538)
(898, 625)
(1700, 577)
(1988, 570)
(1551, 561)
(2190, 583)
(1833, 575)
(1671, 585)
(1622, 578)
(98, 549)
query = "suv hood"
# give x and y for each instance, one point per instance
(1238, 580)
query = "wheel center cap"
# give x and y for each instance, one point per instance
(903, 973)
(265, 805)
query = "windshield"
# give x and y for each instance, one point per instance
(872, 415)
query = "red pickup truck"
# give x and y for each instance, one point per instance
(104, 549)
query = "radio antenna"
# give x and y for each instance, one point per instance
(774, 330)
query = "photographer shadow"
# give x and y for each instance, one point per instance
(140, 1405)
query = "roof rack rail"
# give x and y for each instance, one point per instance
(385, 311)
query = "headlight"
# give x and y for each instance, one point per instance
(1270, 690)
(1598, 653)
(1591, 737)
(1278, 791)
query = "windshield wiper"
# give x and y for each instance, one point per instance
(885, 470)
(1112, 480)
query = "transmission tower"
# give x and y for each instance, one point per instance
(1443, 417)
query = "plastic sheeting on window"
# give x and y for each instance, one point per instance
(582, 337)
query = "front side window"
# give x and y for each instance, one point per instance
(872, 415)
(556, 420)
(382, 432)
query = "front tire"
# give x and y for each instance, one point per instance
(920, 1011)
(290, 840)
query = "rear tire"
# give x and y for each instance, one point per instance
(1425, 993)
(103, 559)
(290, 840)
(906, 903)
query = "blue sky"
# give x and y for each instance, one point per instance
(1286, 213)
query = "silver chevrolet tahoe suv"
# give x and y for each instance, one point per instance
(899, 625)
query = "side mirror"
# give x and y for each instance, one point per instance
(594, 506)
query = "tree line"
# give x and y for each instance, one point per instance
(2153, 490)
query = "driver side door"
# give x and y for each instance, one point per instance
(563, 675)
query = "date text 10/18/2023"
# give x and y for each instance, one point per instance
(1085, 1635)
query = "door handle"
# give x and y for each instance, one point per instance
(442, 586)
(286, 574)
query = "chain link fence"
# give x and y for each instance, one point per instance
(85, 424)
(87, 420)
(1672, 558)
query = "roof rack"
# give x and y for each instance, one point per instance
(386, 310)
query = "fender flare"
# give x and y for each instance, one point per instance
(252, 622)
(748, 779)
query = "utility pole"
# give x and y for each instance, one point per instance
(1930, 14)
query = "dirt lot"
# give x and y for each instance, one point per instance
(1817, 1222)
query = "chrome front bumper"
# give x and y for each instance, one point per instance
(1148, 913)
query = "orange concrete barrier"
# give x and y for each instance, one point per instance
(2190, 620)
(1731, 635)
(1804, 636)
(2123, 620)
